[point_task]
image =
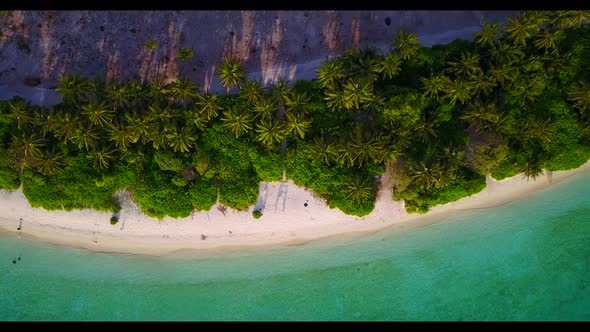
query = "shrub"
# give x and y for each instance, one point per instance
(185, 54)
(150, 44)
(166, 161)
(72, 188)
(203, 194)
(158, 197)
(487, 158)
(257, 214)
(420, 200)
(179, 181)
(9, 178)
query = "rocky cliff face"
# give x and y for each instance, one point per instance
(39, 46)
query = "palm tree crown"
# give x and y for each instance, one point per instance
(329, 74)
(231, 73)
(237, 121)
(406, 44)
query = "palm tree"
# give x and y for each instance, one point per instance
(297, 101)
(19, 110)
(556, 64)
(488, 35)
(527, 90)
(103, 156)
(209, 104)
(518, 30)
(237, 121)
(184, 90)
(506, 126)
(158, 91)
(50, 162)
(137, 94)
(46, 121)
(197, 118)
(330, 74)
(73, 89)
(481, 84)
(434, 85)
(156, 113)
(334, 99)
(66, 127)
(505, 54)
(356, 94)
(99, 114)
(231, 73)
(280, 91)
(390, 66)
(158, 135)
(324, 149)
(27, 149)
(531, 169)
(359, 190)
(138, 127)
(181, 141)
(481, 117)
(559, 19)
(425, 130)
(452, 159)
(97, 89)
(270, 132)
(467, 66)
(406, 44)
(360, 64)
(87, 137)
(458, 90)
(378, 148)
(579, 95)
(425, 176)
(120, 136)
(575, 18)
(403, 139)
(502, 74)
(264, 108)
(118, 95)
(366, 150)
(536, 19)
(536, 129)
(296, 123)
(345, 154)
(251, 92)
(547, 40)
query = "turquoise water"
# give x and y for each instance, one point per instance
(527, 260)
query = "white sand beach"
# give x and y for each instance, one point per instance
(286, 221)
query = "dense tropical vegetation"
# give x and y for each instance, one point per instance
(515, 100)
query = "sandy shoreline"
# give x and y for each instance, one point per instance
(286, 222)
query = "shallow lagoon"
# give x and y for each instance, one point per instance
(527, 260)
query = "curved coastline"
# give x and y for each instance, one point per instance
(297, 225)
(205, 232)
